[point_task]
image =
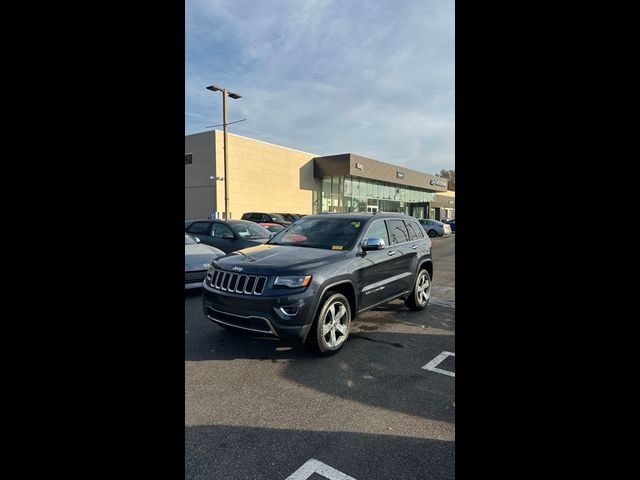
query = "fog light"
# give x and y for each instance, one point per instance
(290, 310)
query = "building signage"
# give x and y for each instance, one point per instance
(400, 175)
(439, 183)
(359, 166)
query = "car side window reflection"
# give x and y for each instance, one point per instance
(199, 227)
(415, 232)
(397, 231)
(219, 230)
(378, 230)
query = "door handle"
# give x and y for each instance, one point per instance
(414, 247)
(391, 253)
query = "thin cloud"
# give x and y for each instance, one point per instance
(374, 78)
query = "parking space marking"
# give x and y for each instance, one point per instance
(431, 366)
(316, 466)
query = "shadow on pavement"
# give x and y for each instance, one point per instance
(229, 452)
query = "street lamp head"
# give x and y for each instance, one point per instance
(235, 95)
(215, 88)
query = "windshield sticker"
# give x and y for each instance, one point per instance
(336, 247)
(355, 224)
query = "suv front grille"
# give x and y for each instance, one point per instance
(236, 282)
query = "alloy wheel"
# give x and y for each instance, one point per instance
(335, 325)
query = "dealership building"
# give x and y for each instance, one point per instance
(262, 177)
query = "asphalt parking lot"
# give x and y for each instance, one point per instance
(382, 408)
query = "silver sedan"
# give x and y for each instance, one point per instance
(197, 258)
(434, 228)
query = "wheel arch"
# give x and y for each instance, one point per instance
(344, 287)
(427, 264)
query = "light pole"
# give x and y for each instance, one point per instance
(225, 93)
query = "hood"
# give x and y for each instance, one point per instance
(201, 250)
(263, 259)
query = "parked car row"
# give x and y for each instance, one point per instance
(208, 239)
(283, 219)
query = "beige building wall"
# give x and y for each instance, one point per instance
(264, 178)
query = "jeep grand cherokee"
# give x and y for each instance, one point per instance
(313, 278)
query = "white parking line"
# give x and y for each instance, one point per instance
(431, 366)
(316, 466)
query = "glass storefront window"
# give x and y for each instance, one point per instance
(355, 186)
(326, 193)
(354, 194)
(335, 185)
(347, 186)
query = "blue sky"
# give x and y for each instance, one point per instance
(374, 78)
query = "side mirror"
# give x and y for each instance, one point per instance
(372, 244)
(227, 236)
(197, 239)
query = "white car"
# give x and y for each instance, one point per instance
(197, 258)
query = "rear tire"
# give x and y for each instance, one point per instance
(330, 329)
(432, 233)
(419, 297)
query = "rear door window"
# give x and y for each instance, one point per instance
(415, 232)
(397, 232)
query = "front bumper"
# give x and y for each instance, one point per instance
(194, 279)
(282, 316)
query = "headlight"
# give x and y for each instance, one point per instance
(292, 282)
(192, 267)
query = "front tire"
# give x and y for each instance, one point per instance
(432, 233)
(331, 327)
(421, 293)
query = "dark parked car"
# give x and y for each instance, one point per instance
(265, 218)
(197, 258)
(311, 280)
(291, 217)
(227, 235)
(452, 224)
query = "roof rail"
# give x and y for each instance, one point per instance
(390, 213)
(341, 213)
(397, 214)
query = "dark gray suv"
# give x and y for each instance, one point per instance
(313, 278)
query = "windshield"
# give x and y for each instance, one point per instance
(188, 240)
(276, 218)
(249, 230)
(325, 233)
(275, 228)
